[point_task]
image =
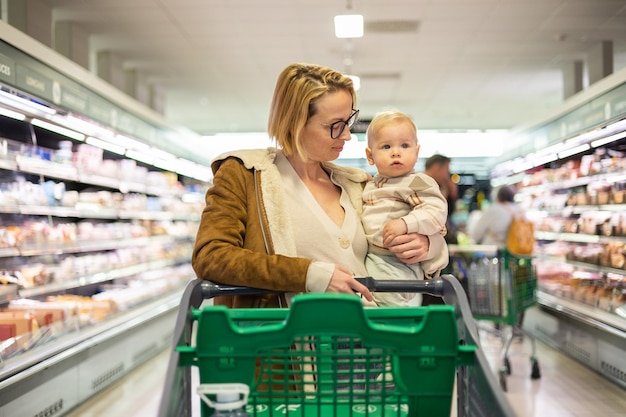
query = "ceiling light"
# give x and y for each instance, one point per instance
(349, 26)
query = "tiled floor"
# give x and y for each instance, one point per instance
(565, 389)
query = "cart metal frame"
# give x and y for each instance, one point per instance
(478, 392)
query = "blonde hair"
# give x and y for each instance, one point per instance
(297, 90)
(384, 119)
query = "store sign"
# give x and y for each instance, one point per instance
(7, 69)
(74, 98)
(34, 82)
(101, 111)
(31, 76)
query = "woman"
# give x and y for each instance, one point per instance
(493, 225)
(288, 219)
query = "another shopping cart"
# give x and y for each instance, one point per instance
(500, 287)
(327, 355)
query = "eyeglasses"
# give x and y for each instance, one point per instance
(337, 128)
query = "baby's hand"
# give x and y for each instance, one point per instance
(392, 229)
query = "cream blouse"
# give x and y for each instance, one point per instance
(317, 236)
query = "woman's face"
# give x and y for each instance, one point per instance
(316, 140)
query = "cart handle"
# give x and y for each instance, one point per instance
(431, 286)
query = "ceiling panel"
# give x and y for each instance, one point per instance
(465, 63)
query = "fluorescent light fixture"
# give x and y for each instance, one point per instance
(12, 114)
(168, 165)
(574, 150)
(58, 129)
(25, 105)
(193, 170)
(129, 143)
(356, 81)
(608, 139)
(140, 156)
(159, 154)
(111, 147)
(544, 159)
(83, 126)
(349, 26)
(583, 137)
(522, 167)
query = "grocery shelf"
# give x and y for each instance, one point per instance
(74, 367)
(37, 166)
(592, 316)
(609, 177)
(100, 277)
(93, 211)
(582, 265)
(592, 337)
(81, 246)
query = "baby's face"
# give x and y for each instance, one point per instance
(395, 150)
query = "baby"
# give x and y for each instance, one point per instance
(399, 201)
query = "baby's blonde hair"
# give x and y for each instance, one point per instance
(384, 119)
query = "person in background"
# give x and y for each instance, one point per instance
(397, 201)
(438, 167)
(493, 225)
(287, 219)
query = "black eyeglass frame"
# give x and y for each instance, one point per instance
(349, 123)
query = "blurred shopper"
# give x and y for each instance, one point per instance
(437, 166)
(493, 225)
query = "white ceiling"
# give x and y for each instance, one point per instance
(486, 64)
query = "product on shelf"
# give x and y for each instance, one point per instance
(16, 323)
(88, 309)
(45, 313)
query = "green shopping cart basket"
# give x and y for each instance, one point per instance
(327, 355)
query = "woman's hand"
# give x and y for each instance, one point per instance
(343, 281)
(410, 248)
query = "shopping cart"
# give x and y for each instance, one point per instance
(500, 287)
(327, 355)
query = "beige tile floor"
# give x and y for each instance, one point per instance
(565, 389)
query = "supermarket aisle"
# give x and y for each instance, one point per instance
(566, 388)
